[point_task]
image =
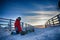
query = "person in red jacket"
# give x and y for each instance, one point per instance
(17, 25)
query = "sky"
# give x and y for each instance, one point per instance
(34, 12)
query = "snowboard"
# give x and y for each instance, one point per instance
(21, 33)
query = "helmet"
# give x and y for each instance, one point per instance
(19, 18)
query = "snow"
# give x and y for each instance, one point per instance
(50, 33)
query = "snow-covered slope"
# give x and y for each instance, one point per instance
(50, 33)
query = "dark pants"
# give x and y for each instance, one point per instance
(17, 32)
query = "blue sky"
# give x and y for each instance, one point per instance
(34, 12)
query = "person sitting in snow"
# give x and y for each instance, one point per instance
(17, 25)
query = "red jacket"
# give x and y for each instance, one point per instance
(17, 24)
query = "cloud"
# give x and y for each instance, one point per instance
(39, 19)
(44, 13)
(46, 7)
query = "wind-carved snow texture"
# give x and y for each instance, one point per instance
(50, 33)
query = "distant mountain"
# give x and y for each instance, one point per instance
(40, 26)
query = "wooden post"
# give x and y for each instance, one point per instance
(53, 22)
(45, 25)
(22, 24)
(49, 22)
(25, 25)
(58, 16)
(10, 25)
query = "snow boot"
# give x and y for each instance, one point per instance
(22, 32)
